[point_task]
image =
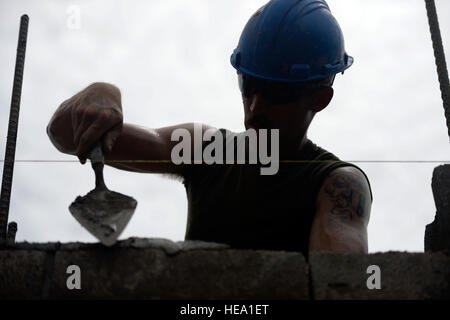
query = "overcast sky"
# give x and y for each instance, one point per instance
(171, 61)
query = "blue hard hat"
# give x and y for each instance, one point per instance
(291, 41)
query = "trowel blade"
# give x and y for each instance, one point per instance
(105, 214)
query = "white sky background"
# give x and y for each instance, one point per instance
(171, 61)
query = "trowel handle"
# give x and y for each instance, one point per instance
(97, 161)
(96, 153)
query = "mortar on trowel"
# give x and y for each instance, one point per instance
(102, 212)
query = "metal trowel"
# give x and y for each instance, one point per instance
(104, 213)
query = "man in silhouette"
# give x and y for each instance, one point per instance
(287, 58)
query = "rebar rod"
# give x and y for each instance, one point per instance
(8, 166)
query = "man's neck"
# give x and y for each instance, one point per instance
(289, 151)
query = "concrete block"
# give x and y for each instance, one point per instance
(22, 274)
(195, 273)
(403, 275)
(437, 233)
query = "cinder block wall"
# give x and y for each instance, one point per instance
(162, 269)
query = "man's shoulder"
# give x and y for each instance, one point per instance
(350, 176)
(335, 169)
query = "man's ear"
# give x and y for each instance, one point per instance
(322, 98)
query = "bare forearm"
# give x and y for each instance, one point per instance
(147, 150)
(141, 149)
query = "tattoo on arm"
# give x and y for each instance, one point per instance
(347, 197)
(345, 209)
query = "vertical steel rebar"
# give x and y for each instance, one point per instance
(8, 166)
(439, 55)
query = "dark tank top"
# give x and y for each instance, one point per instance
(236, 205)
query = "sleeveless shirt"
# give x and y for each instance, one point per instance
(236, 205)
